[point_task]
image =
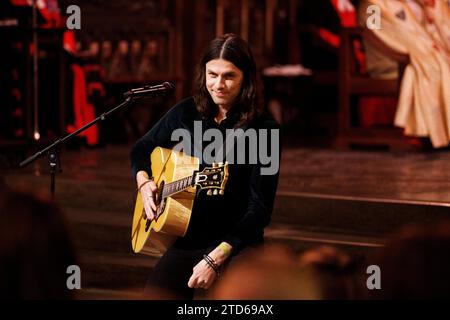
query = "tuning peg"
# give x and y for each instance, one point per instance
(209, 193)
(221, 192)
(220, 164)
(215, 192)
(214, 165)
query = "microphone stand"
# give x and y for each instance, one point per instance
(35, 73)
(52, 150)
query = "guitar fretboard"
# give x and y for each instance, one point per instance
(177, 186)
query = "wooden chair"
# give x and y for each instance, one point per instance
(352, 82)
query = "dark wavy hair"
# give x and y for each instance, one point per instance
(234, 49)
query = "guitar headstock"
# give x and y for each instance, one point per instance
(213, 178)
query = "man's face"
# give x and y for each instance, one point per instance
(223, 81)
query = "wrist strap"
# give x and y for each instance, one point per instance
(226, 248)
(212, 264)
(143, 184)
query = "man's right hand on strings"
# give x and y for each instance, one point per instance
(148, 190)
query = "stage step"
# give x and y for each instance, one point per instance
(375, 217)
(115, 271)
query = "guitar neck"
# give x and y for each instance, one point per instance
(178, 186)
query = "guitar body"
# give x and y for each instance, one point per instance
(173, 213)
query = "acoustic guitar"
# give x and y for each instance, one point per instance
(176, 176)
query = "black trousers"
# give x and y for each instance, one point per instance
(170, 276)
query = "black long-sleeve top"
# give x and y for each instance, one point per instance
(241, 214)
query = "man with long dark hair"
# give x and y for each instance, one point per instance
(220, 227)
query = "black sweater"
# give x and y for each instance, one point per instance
(240, 216)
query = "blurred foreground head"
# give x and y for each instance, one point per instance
(35, 250)
(415, 263)
(277, 274)
(269, 273)
(335, 274)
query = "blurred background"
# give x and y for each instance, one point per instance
(121, 45)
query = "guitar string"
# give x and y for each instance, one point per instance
(178, 189)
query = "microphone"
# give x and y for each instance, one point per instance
(151, 91)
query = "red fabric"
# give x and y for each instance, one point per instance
(360, 56)
(69, 41)
(84, 112)
(53, 19)
(329, 37)
(20, 2)
(376, 111)
(348, 18)
(47, 8)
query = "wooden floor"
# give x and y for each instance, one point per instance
(351, 199)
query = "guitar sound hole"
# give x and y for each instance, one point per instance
(159, 193)
(161, 208)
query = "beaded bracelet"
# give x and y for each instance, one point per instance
(144, 183)
(212, 264)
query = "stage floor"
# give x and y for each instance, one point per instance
(410, 176)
